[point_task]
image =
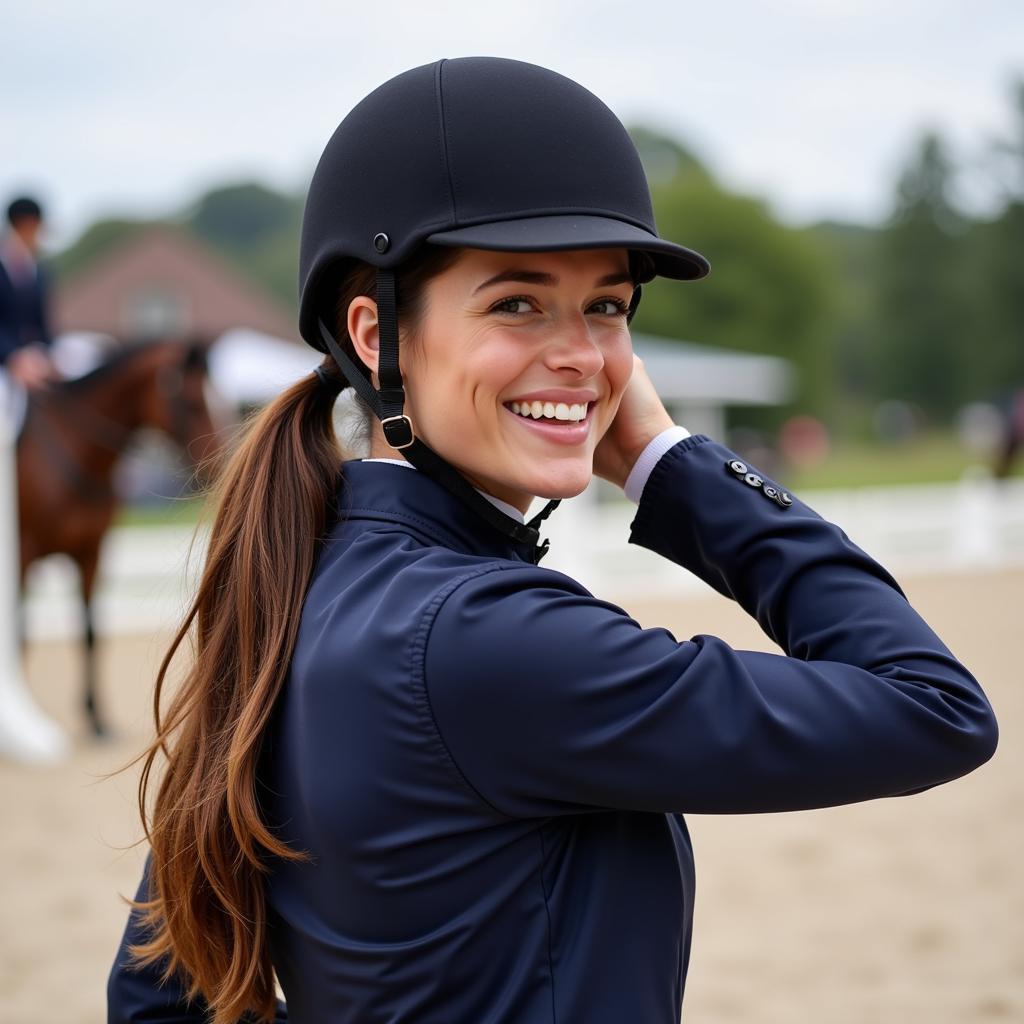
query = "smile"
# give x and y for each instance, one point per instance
(559, 411)
(558, 423)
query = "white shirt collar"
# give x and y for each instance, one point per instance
(504, 506)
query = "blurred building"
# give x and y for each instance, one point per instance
(155, 282)
(160, 281)
(698, 383)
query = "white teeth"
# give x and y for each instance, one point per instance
(551, 410)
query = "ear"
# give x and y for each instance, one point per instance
(363, 330)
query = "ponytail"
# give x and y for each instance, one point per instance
(207, 912)
(207, 908)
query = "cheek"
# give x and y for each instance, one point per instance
(457, 387)
(504, 363)
(493, 368)
(618, 363)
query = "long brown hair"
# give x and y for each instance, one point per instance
(275, 502)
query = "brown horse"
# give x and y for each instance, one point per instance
(73, 435)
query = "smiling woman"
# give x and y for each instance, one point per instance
(413, 776)
(484, 350)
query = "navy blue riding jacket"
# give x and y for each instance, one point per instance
(23, 313)
(489, 765)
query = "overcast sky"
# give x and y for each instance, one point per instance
(118, 107)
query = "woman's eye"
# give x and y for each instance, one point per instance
(611, 307)
(513, 304)
(519, 304)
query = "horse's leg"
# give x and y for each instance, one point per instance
(87, 569)
(26, 544)
(21, 620)
(1007, 451)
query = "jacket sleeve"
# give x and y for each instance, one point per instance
(8, 317)
(135, 995)
(552, 701)
(41, 308)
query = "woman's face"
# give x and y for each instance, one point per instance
(519, 365)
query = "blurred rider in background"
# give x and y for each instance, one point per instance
(26, 733)
(25, 336)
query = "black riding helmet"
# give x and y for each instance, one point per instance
(476, 152)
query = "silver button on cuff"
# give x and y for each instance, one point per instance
(748, 476)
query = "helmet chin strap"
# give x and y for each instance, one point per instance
(388, 405)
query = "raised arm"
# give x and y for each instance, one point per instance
(550, 700)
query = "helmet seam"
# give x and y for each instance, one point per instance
(445, 147)
(561, 211)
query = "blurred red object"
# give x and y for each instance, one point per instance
(804, 441)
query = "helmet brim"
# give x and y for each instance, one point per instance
(576, 231)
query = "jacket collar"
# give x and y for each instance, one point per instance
(504, 506)
(391, 493)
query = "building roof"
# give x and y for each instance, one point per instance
(686, 372)
(163, 280)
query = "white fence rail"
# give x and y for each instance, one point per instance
(147, 574)
(971, 524)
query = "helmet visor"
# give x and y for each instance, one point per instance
(576, 231)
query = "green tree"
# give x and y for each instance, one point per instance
(257, 229)
(238, 216)
(96, 239)
(1003, 256)
(1000, 264)
(666, 159)
(852, 249)
(922, 343)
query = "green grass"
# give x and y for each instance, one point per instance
(176, 512)
(929, 458)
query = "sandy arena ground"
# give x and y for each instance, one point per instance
(893, 912)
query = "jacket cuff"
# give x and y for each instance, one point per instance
(641, 471)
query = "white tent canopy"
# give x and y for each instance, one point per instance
(246, 367)
(249, 367)
(684, 372)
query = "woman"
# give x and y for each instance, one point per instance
(412, 774)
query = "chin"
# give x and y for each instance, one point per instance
(563, 483)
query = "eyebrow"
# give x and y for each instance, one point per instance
(549, 280)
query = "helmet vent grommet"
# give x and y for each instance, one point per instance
(381, 242)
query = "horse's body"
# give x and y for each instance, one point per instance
(75, 432)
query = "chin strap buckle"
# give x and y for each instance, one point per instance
(398, 431)
(541, 550)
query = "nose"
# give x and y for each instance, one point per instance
(574, 348)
